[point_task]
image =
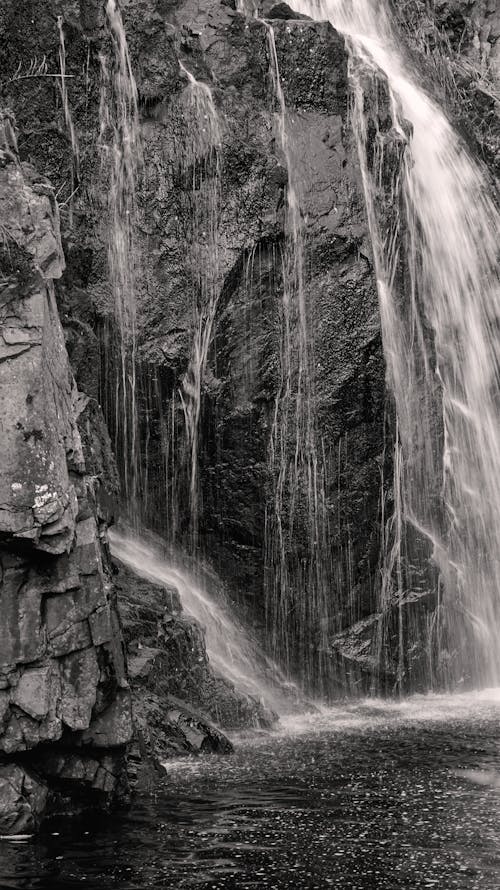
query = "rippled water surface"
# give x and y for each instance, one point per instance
(366, 796)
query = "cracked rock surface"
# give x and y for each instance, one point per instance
(64, 698)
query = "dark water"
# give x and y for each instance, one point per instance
(370, 796)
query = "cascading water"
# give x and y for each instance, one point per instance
(442, 350)
(202, 159)
(296, 583)
(231, 650)
(121, 157)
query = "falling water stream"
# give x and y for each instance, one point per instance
(297, 623)
(440, 342)
(436, 263)
(68, 119)
(121, 158)
(441, 345)
(202, 160)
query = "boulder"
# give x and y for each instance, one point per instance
(197, 735)
(23, 798)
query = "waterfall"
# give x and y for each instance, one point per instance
(202, 161)
(297, 577)
(232, 652)
(121, 156)
(442, 350)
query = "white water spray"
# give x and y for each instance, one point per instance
(232, 652)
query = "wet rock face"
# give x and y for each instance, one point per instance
(39, 502)
(242, 375)
(341, 300)
(62, 671)
(175, 260)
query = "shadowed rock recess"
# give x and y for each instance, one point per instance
(210, 230)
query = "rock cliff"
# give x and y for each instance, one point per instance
(64, 699)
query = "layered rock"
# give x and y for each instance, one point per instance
(64, 699)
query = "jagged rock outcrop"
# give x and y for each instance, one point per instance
(64, 699)
(177, 697)
(242, 375)
(167, 657)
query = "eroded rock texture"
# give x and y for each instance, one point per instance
(64, 699)
(242, 376)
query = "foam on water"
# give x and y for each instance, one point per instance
(372, 712)
(370, 715)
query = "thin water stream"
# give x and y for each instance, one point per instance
(120, 151)
(297, 624)
(202, 160)
(366, 796)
